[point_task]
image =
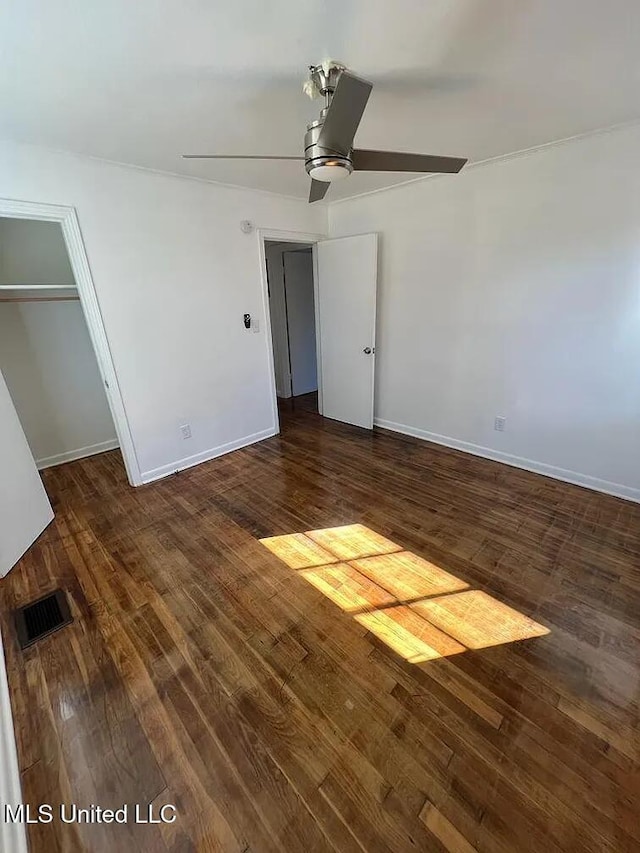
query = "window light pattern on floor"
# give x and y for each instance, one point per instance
(419, 610)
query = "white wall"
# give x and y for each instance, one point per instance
(174, 275)
(513, 289)
(52, 374)
(33, 252)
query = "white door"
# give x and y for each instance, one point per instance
(25, 510)
(346, 297)
(301, 320)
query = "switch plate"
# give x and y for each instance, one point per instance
(185, 430)
(500, 423)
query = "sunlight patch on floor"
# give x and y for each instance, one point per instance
(418, 609)
(298, 551)
(478, 620)
(352, 541)
(347, 588)
(408, 576)
(409, 635)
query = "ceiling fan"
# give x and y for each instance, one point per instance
(328, 143)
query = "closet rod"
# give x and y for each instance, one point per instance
(37, 287)
(39, 299)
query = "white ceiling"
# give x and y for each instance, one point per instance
(141, 82)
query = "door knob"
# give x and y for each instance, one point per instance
(367, 350)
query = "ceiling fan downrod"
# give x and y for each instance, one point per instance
(325, 81)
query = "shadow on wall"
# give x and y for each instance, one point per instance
(416, 608)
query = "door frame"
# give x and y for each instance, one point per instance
(68, 219)
(285, 237)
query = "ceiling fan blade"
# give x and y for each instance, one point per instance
(235, 157)
(399, 161)
(317, 190)
(345, 113)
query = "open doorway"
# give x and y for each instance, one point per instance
(46, 353)
(292, 310)
(339, 278)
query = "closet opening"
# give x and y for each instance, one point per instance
(292, 309)
(46, 353)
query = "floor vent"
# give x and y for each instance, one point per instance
(42, 617)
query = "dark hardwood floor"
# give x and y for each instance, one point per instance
(299, 404)
(319, 693)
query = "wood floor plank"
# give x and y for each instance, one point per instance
(453, 840)
(334, 640)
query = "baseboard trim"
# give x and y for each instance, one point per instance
(205, 455)
(566, 476)
(12, 835)
(80, 453)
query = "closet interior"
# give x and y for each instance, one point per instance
(46, 355)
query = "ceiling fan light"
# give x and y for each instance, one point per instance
(329, 172)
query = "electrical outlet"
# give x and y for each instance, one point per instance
(185, 430)
(500, 423)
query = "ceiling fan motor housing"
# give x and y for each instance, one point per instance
(323, 164)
